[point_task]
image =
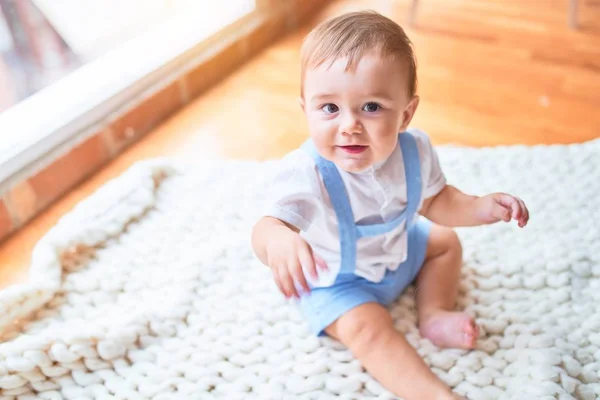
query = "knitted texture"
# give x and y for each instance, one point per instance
(149, 289)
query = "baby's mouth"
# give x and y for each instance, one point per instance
(353, 149)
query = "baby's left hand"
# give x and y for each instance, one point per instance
(497, 207)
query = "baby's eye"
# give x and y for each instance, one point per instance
(371, 107)
(330, 108)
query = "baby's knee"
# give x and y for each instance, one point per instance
(363, 326)
(452, 243)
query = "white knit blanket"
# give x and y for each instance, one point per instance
(149, 289)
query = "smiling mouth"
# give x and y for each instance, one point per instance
(353, 149)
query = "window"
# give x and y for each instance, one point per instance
(63, 63)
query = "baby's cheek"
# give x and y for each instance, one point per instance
(320, 130)
(324, 145)
(385, 147)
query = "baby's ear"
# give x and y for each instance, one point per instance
(409, 112)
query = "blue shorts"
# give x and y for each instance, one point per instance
(323, 306)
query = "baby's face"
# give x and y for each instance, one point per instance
(354, 116)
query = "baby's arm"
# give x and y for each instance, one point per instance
(451, 207)
(278, 245)
(293, 201)
(446, 205)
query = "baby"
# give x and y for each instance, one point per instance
(363, 209)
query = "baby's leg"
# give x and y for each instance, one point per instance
(437, 289)
(368, 331)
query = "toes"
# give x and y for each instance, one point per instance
(451, 330)
(470, 327)
(470, 340)
(471, 331)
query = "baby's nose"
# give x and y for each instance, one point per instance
(350, 125)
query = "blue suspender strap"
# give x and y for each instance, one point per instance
(379, 229)
(341, 204)
(412, 170)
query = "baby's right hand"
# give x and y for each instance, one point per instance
(287, 253)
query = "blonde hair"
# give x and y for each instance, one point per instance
(354, 34)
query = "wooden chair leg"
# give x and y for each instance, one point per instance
(573, 14)
(412, 13)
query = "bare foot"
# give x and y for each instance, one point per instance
(450, 329)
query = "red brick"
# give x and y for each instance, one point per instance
(64, 173)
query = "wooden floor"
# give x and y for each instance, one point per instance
(491, 72)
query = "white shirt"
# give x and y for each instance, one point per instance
(378, 194)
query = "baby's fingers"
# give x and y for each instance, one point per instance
(501, 213)
(287, 282)
(524, 213)
(277, 280)
(519, 209)
(510, 203)
(321, 263)
(298, 275)
(306, 261)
